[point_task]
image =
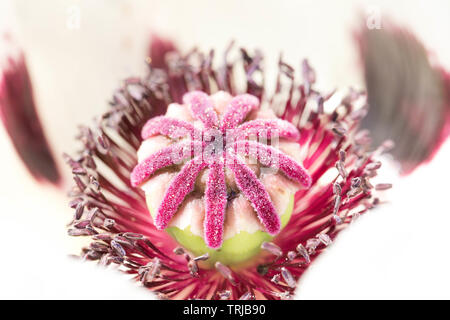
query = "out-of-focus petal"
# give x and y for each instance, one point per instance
(159, 47)
(20, 118)
(409, 96)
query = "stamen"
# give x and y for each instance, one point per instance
(286, 295)
(154, 269)
(75, 202)
(383, 186)
(178, 251)
(136, 91)
(82, 224)
(103, 143)
(272, 248)
(325, 239)
(356, 182)
(304, 253)
(80, 232)
(203, 257)
(366, 184)
(276, 278)
(108, 223)
(311, 245)
(337, 190)
(262, 269)
(224, 295)
(133, 236)
(79, 210)
(118, 248)
(193, 268)
(287, 276)
(342, 156)
(79, 171)
(225, 272)
(339, 130)
(162, 296)
(291, 255)
(373, 165)
(247, 296)
(341, 169)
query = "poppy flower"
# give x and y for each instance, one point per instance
(334, 165)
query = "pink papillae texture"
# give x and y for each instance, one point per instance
(271, 157)
(216, 203)
(173, 128)
(165, 157)
(270, 127)
(179, 188)
(237, 110)
(255, 192)
(202, 108)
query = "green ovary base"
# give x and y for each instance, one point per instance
(234, 250)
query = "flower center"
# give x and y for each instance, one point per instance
(219, 143)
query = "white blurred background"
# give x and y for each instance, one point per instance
(79, 51)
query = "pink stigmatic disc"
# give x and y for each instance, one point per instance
(215, 197)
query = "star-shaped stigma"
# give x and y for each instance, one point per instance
(225, 149)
